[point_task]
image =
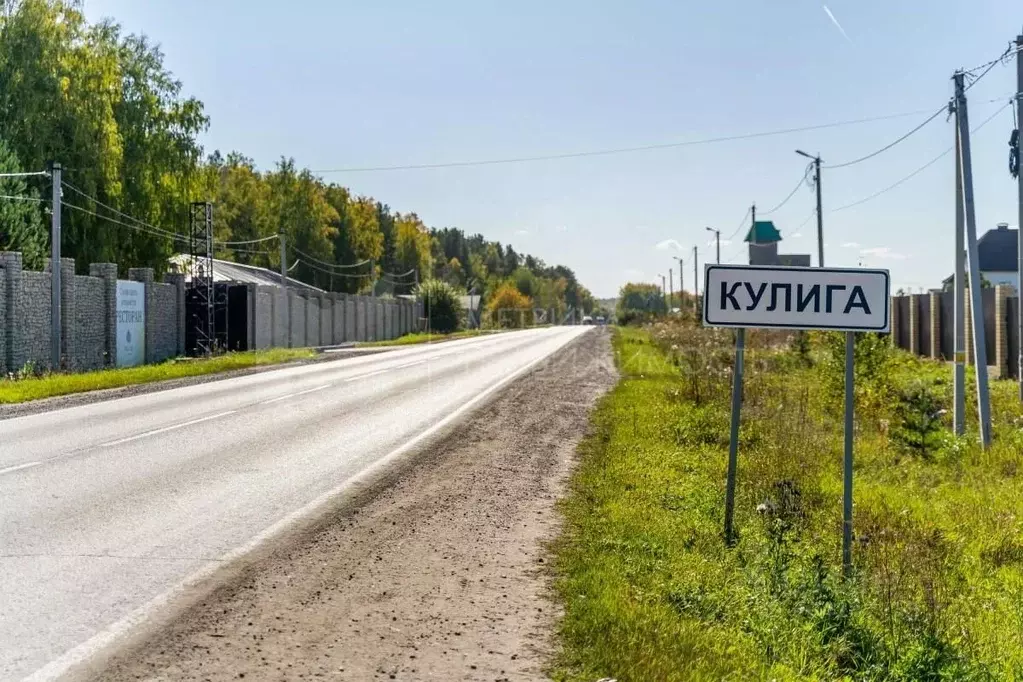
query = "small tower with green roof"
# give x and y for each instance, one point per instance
(763, 238)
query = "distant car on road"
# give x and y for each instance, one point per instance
(600, 320)
(587, 320)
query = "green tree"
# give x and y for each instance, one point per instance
(637, 302)
(21, 220)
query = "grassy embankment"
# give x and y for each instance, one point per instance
(23, 389)
(422, 337)
(650, 591)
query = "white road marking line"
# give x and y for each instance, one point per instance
(166, 429)
(292, 395)
(364, 376)
(411, 364)
(19, 467)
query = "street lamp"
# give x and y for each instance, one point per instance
(717, 236)
(820, 217)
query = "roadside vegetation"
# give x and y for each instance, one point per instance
(651, 592)
(26, 385)
(422, 337)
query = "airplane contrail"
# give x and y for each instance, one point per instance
(837, 25)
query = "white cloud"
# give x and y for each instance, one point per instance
(522, 233)
(850, 245)
(883, 252)
(668, 245)
(633, 274)
(561, 228)
(796, 235)
(724, 242)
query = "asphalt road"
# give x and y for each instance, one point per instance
(106, 507)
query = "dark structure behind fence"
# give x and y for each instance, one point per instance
(923, 324)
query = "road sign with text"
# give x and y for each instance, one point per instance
(839, 299)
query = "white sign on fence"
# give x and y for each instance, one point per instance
(131, 323)
(796, 298)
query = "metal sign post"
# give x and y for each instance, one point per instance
(746, 296)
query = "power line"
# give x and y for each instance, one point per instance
(395, 276)
(24, 175)
(173, 237)
(941, 110)
(792, 193)
(620, 150)
(742, 224)
(987, 66)
(332, 273)
(249, 241)
(18, 198)
(325, 263)
(921, 168)
(153, 228)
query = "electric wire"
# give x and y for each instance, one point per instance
(31, 174)
(620, 150)
(921, 168)
(152, 228)
(326, 264)
(248, 241)
(742, 224)
(792, 193)
(173, 237)
(941, 110)
(21, 198)
(335, 274)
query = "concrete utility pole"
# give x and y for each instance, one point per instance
(1019, 230)
(55, 312)
(820, 215)
(696, 283)
(976, 299)
(717, 239)
(664, 291)
(284, 260)
(959, 351)
(671, 287)
(372, 278)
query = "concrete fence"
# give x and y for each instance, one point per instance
(923, 325)
(264, 317)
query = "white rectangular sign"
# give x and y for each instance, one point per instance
(796, 298)
(131, 323)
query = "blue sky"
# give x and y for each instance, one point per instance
(338, 84)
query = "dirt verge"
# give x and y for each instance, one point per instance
(439, 576)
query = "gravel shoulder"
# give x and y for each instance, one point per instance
(439, 574)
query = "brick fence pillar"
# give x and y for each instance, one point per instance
(1001, 330)
(108, 273)
(914, 324)
(894, 318)
(177, 280)
(145, 275)
(935, 325)
(12, 352)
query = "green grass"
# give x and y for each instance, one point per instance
(650, 592)
(421, 337)
(50, 385)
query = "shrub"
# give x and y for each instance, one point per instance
(441, 305)
(918, 413)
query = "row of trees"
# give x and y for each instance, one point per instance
(103, 104)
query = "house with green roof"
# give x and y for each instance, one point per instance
(763, 238)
